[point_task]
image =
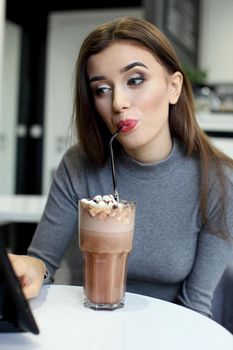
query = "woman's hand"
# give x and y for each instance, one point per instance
(30, 272)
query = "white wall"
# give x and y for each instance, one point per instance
(216, 40)
(216, 55)
(66, 33)
(2, 27)
(9, 106)
(2, 24)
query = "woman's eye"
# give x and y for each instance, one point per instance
(135, 81)
(102, 90)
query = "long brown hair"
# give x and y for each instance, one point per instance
(94, 136)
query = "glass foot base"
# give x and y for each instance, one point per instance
(106, 307)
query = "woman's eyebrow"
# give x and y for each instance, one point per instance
(123, 70)
(96, 78)
(132, 65)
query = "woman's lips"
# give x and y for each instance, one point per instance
(127, 125)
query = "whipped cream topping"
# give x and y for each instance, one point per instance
(107, 201)
(106, 206)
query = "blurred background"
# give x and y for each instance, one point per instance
(39, 42)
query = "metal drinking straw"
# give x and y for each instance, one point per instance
(116, 195)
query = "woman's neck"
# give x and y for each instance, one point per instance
(151, 152)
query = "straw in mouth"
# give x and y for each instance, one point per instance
(116, 195)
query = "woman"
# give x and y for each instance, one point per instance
(128, 76)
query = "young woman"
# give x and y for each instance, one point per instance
(128, 76)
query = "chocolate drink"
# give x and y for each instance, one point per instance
(105, 238)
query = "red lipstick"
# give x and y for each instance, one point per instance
(127, 125)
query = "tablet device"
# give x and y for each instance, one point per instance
(15, 312)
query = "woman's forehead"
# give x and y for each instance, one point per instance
(120, 53)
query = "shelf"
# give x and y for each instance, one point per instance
(219, 122)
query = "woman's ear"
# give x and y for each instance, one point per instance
(176, 81)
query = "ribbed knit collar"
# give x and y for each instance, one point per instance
(161, 168)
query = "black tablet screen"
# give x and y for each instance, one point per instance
(15, 313)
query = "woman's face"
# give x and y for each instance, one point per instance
(133, 91)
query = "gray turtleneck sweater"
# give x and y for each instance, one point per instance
(174, 256)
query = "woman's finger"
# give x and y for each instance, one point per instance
(19, 265)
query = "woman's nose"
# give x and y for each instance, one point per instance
(120, 101)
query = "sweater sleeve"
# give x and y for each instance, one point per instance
(59, 221)
(213, 254)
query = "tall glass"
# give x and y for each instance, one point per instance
(105, 239)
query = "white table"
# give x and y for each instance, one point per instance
(21, 208)
(143, 324)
